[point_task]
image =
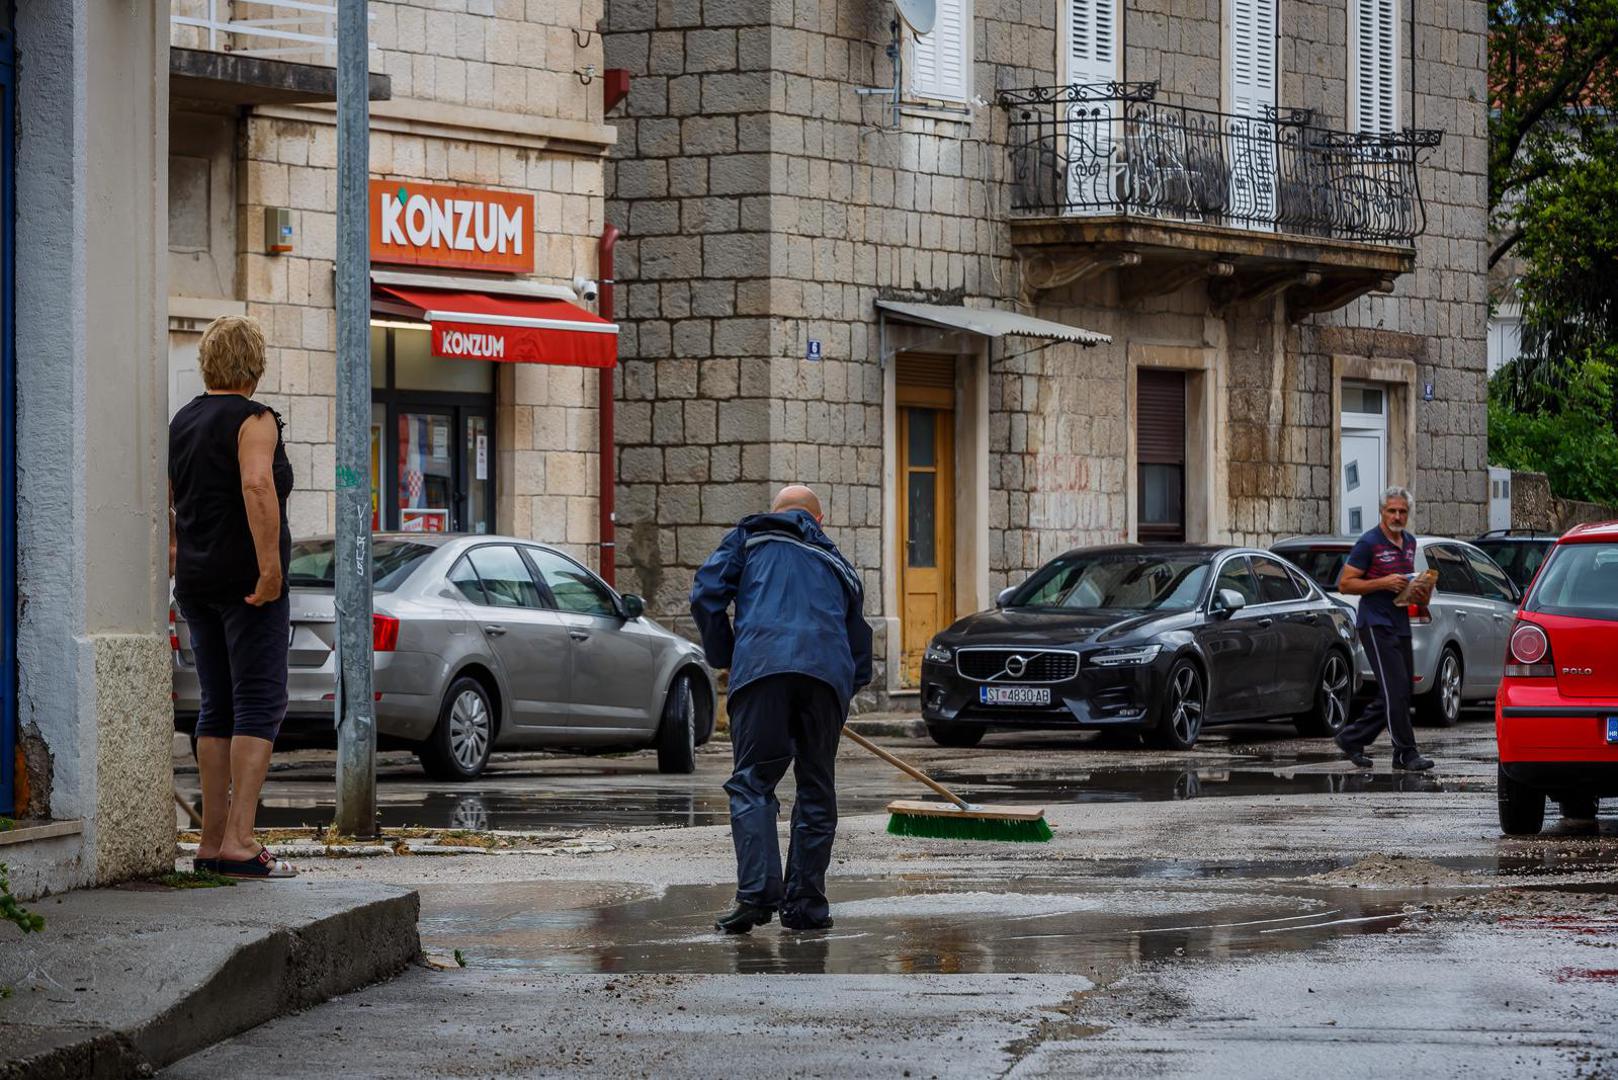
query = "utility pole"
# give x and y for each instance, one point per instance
(356, 708)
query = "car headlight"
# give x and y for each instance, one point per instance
(938, 654)
(1131, 657)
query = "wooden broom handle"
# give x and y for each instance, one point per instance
(907, 768)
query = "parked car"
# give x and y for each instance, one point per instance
(1459, 643)
(1519, 552)
(486, 643)
(1556, 716)
(1162, 640)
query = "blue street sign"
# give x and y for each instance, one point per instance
(814, 350)
(1427, 391)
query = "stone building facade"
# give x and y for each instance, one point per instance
(490, 97)
(1317, 346)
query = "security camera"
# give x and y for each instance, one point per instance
(587, 289)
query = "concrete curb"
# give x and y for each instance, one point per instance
(186, 993)
(894, 725)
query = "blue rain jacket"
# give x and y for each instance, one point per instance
(799, 605)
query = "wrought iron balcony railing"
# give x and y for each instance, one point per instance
(1115, 149)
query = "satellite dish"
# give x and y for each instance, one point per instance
(919, 15)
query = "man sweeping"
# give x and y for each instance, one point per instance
(798, 650)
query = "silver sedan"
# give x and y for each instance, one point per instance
(1460, 648)
(487, 643)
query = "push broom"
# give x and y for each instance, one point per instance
(957, 819)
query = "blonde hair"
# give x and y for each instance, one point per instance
(232, 353)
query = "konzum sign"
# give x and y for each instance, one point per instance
(464, 228)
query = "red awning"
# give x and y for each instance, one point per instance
(514, 329)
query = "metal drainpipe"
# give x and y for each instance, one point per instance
(604, 411)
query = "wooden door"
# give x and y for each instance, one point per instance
(926, 402)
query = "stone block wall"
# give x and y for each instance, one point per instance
(767, 203)
(480, 76)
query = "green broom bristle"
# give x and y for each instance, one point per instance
(966, 828)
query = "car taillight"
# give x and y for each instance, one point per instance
(1530, 653)
(174, 637)
(1419, 615)
(384, 633)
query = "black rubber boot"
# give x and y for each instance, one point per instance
(1413, 762)
(743, 918)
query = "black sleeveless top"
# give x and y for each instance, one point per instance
(216, 560)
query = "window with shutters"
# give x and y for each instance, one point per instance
(1373, 65)
(1160, 426)
(941, 59)
(1251, 51)
(1090, 51)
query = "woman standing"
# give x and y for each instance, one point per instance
(229, 479)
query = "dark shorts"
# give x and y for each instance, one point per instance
(241, 655)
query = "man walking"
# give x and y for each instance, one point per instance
(1376, 570)
(799, 649)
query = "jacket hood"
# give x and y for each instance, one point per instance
(799, 527)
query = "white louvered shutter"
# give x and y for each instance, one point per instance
(1092, 41)
(1374, 60)
(1252, 56)
(941, 59)
(1090, 57)
(1252, 94)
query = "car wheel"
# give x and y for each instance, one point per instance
(459, 747)
(1579, 807)
(1183, 706)
(961, 736)
(677, 734)
(1522, 808)
(1332, 696)
(1441, 706)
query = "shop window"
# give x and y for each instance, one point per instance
(432, 436)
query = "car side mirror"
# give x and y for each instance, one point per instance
(634, 606)
(1227, 602)
(1004, 596)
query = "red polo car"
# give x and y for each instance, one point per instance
(1556, 713)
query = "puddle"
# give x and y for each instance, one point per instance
(579, 799)
(899, 925)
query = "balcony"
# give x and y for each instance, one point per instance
(237, 52)
(1110, 177)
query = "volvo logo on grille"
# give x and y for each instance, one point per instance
(1015, 666)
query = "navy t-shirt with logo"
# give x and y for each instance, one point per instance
(1377, 556)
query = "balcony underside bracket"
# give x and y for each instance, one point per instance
(1145, 282)
(1042, 271)
(1256, 288)
(1334, 294)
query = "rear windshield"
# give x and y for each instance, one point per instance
(391, 562)
(1129, 581)
(1324, 565)
(1580, 580)
(1518, 558)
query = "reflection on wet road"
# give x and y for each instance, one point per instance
(921, 924)
(579, 797)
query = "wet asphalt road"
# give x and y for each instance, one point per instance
(1226, 912)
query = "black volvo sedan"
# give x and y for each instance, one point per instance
(1162, 640)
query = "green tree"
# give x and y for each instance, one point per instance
(1571, 438)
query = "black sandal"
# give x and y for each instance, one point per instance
(262, 865)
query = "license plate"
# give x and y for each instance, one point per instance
(1612, 729)
(1015, 695)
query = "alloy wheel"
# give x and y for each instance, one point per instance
(1334, 690)
(469, 729)
(1185, 704)
(1449, 685)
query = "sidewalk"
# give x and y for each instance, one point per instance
(126, 980)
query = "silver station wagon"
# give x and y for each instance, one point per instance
(486, 643)
(1459, 646)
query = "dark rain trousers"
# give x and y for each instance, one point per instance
(1389, 654)
(778, 721)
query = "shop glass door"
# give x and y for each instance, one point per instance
(478, 444)
(426, 485)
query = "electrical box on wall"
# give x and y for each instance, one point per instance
(277, 230)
